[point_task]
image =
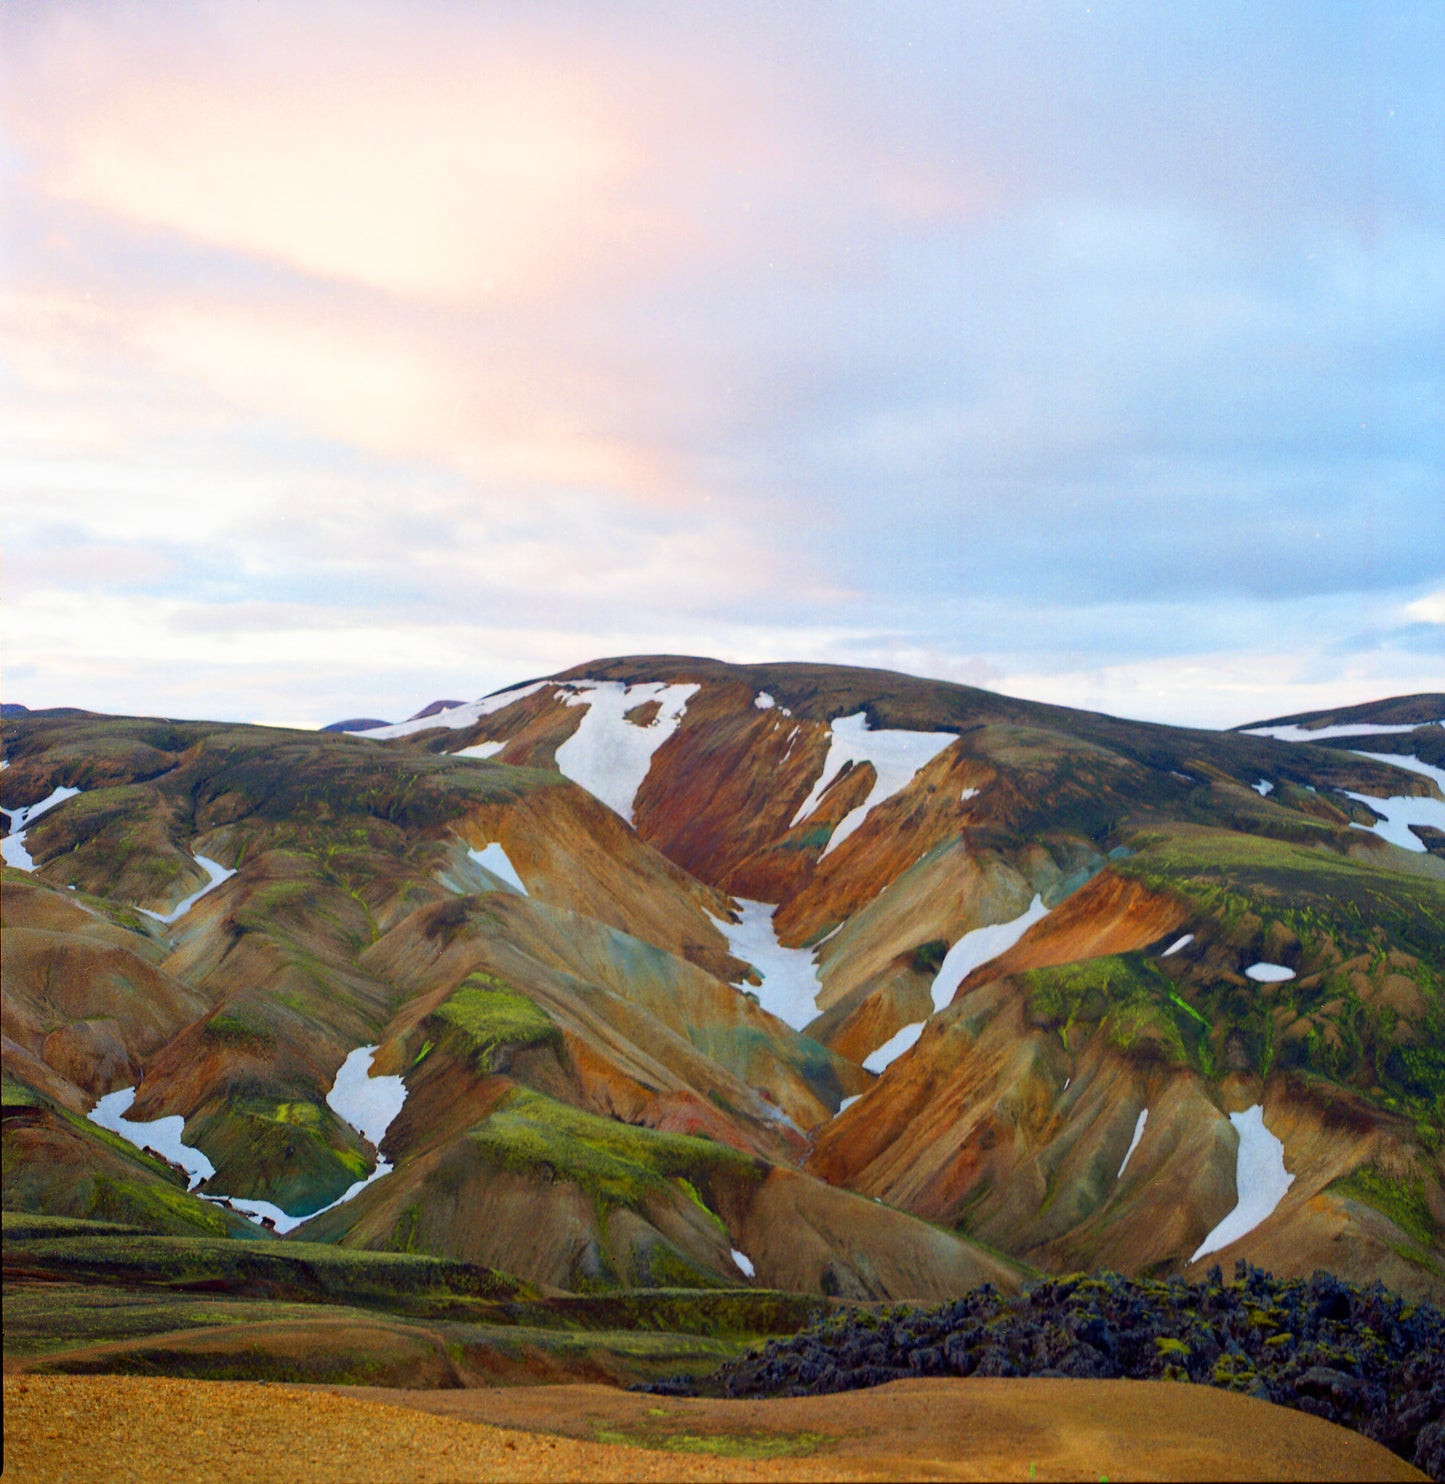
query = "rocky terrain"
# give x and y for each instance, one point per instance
(1359, 1357)
(665, 974)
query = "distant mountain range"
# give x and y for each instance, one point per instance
(687, 974)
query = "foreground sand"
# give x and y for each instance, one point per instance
(117, 1429)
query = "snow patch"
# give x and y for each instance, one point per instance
(1263, 787)
(1177, 944)
(745, 1263)
(763, 701)
(215, 870)
(494, 858)
(368, 1104)
(970, 952)
(1400, 811)
(896, 757)
(790, 980)
(1294, 733)
(969, 793)
(1260, 1181)
(12, 847)
(978, 947)
(848, 1103)
(481, 749)
(458, 716)
(162, 1135)
(893, 1048)
(1134, 1142)
(1263, 973)
(1409, 762)
(607, 754)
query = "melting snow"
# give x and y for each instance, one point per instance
(1410, 763)
(1353, 729)
(763, 701)
(894, 1047)
(744, 1262)
(969, 793)
(1268, 973)
(1263, 787)
(896, 756)
(1177, 944)
(12, 847)
(971, 951)
(163, 1135)
(1260, 1180)
(978, 947)
(482, 749)
(607, 754)
(368, 1104)
(790, 980)
(494, 858)
(215, 870)
(1402, 810)
(1134, 1142)
(848, 1103)
(457, 716)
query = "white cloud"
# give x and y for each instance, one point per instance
(1429, 609)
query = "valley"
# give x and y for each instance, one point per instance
(600, 1028)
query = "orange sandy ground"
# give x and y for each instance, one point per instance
(118, 1428)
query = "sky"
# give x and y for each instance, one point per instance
(355, 355)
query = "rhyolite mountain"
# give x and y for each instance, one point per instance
(699, 974)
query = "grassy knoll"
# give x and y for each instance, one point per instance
(617, 1163)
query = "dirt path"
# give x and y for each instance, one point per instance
(115, 1429)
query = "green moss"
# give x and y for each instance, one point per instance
(240, 1028)
(753, 1444)
(928, 957)
(1402, 1200)
(484, 1015)
(615, 1162)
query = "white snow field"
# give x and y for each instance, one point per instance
(1263, 973)
(12, 847)
(494, 858)
(972, 950)
(1353, 729)
(368, 1104)
(894, 1047)
(482, 749)
(456, 716)
(163, 1135)
(745, 1263)
(978, 947)
(215, 870)
(1177, 944)
(790, 979)
(607, 754)
(1400, 811)
(1260, 1181)
(1263, 787)
(896, 756)
(1134, 1142)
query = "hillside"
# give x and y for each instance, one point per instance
(668, 973)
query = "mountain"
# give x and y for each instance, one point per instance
(681, 973)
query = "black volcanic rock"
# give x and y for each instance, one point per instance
(1358, 1356)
